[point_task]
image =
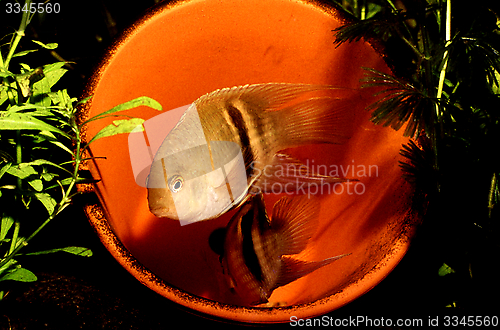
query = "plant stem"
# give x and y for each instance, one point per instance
(442, 74)
(65, 202)
(412, 46)
(394, 8)
(17, 224)
(19, 34)
(19, 156)
(77, 156)
(491, 195)
(2, 64)
(26, 241)
(15, 235)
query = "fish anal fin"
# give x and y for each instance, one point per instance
(293, 269)
(294, 222)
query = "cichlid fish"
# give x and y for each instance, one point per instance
(227, 144)
(255, 256)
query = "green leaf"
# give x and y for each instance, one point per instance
(38, 162)
(20, 107)
(36, 183)
(4, 73)
(4, 96)
(53, 72)
(85, 100)
(48, 136)
(445, 270)
(47, 201)
(7, 266)
(54, 76)
(118, 127)
(24, 171)
(40, 90)
(5, 225)
(46, 46)
(25, 67)
(17, 273)
(48, 176)
(400, 102)
(494, 82)
(22, 121)
(4, 169)
(140, 101)
(62, 98)
(28, 78)
(381, 26)
(24, 52)
(21, 172)
(77, 250)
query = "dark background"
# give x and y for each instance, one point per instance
(96, 293)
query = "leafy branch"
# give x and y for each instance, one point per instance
(41, 151)
(445, 91)
(400, 103)
(447, 65)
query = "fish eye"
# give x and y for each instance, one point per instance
(176, 183)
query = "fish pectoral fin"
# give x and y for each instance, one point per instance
(293, 174)
(236, 174)
(293, 269)
(233, 178)
(242, 201)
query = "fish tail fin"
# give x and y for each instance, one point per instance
(294, 221)
(316, 120)
(293, 269)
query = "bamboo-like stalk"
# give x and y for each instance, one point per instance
(442, 74)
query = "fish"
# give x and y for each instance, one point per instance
(256, 250)
(228, 145)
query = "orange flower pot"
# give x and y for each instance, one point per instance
(182, 50)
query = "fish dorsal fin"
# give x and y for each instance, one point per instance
(294, 221)
(267, 96)
(293, 269)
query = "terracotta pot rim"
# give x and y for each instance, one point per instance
(216, 309)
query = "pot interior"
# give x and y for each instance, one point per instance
(182, 50)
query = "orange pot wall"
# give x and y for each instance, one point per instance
(184, 50)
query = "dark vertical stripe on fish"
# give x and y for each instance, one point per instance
(238, 122)
(249, 255)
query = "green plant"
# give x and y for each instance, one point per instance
(445, 91)
(41, 150)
